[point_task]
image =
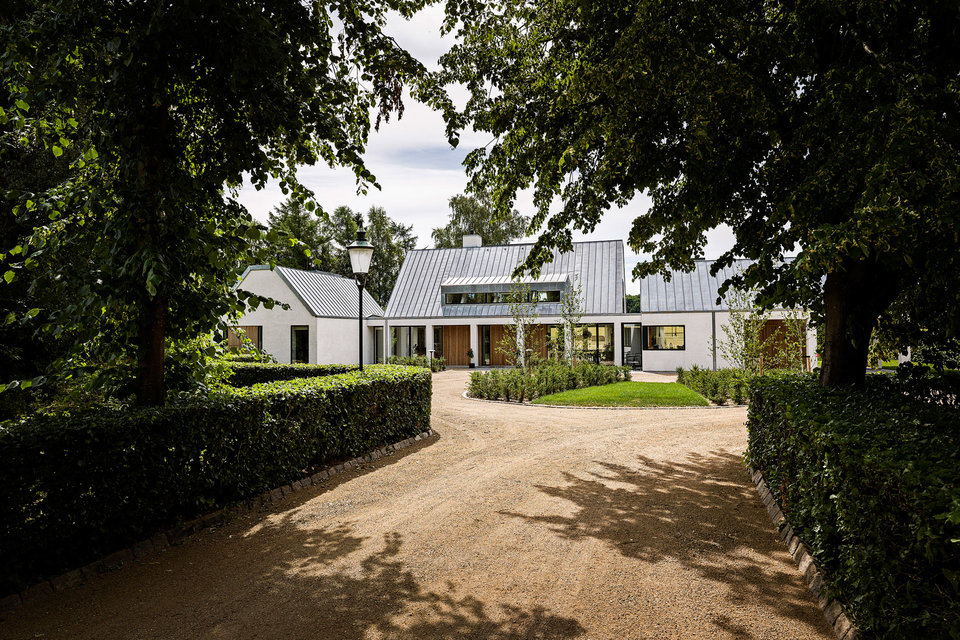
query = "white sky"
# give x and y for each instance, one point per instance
(419, 171)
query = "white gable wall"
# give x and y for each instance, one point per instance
(332, 340)
(276, 322)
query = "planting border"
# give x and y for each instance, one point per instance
(178, 534)
(834, 613)
(527, 403)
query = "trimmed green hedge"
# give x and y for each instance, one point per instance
(870, 480)
(76, 487)
(717, 386)
(435, 364)
(248, 373)
(546, 377)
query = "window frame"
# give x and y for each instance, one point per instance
(648, 327)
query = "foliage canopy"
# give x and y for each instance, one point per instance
(171, 106)
(825, 129)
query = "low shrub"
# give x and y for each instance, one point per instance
(869, 478)
(717, 386)
(74, 487)
(435, 364)
(543, 378)
(249, 373)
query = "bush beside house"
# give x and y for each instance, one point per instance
(544, 378)
(76, 486)
(717, 386)
(870, 480)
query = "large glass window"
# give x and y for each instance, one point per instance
(408, 341)
(594, 341)
(633, 345)
(378, 344)
(668, 337)
(438, 341)
(498, 297)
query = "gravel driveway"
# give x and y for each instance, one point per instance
(514, 522)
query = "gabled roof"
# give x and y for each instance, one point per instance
(325, 295)
(425, 272)
(694, 291)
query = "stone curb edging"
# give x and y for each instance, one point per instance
(571, 406)
(178, 534)
(833, 611)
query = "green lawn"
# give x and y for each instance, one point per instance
(628, 394)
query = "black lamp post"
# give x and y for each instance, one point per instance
(361, 251)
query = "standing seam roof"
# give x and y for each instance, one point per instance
(417, 293)
(327, 294)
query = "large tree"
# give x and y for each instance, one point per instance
(830, 130)
(172, 106)
(303, 238)
(471, 214)
(391, 241)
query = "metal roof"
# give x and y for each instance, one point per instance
(694, 291)
(546, 278)
(418, 293)
(326, 295)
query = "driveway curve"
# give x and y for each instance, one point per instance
(513, 522)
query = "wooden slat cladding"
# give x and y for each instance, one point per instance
(456, 341)
(252, 333)
(773, 336)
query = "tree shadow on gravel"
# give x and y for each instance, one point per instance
(378, 597)
(702, 513)
(282, 575)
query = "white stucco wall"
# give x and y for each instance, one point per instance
(337, 341)
(698, 335)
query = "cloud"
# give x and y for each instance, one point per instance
(419, 171)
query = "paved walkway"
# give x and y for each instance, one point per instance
(515, 522)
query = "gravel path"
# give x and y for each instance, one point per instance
(515, 522)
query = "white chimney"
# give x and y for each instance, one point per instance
(472, 240)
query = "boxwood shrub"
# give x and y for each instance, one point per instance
(75, 487)
(248, 373)
(870, 479)
(544, 378)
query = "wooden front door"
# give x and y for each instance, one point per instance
(456, 341)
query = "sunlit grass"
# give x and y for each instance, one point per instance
(628, 394)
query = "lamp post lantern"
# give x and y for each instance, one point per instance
(361, 251)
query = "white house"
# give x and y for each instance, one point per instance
(321, 325)
(449, 301)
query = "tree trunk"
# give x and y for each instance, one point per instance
(151, 352)
(854, 297)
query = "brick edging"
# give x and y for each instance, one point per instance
(177, 534)
(833, 611)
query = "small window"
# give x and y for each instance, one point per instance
(665, 338)
(453, 298)
(299, 344)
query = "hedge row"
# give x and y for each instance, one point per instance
(870, 480)
(543, 379)
(76, 487)
(434, 364)
(717, 386)
(248, 373)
